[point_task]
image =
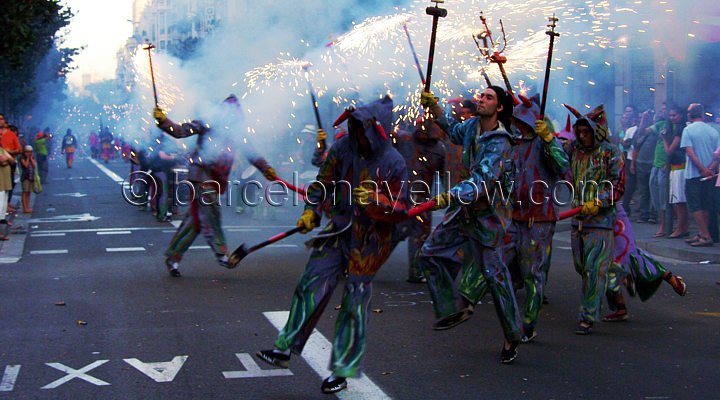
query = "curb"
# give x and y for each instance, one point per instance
(11, 251)
(660, 247)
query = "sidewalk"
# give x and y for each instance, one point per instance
(670, 248)
(12, 250)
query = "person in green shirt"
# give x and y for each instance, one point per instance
(659, 177)
(41, 155)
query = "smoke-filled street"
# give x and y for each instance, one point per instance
(152, 336)
(376, 199)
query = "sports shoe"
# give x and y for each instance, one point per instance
(454, 320)
(507, 356)
(333, 385)
(618, 316)
(172, 267)
(529, 335)
(274, 357)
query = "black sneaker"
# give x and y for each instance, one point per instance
(507, 356)
(546, 300)
(529, 335)
(332, 386)
(274, 357)
(454, 320)
(172, 267)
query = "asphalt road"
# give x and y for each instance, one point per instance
(151, 336)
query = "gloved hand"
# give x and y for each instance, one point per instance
(270, 174)
(428, 100)
(308, 220)
(591, 207)
(442, 201)
(362, 195)
(159, 115)
(321, 135)
(543, 130)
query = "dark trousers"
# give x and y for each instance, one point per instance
(642, 182)
(630, 185)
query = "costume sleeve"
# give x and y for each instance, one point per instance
(610, 193)
(555, 157)
(253, 156)
(391, 204)
(455, 130)
(485, 172)
(319, 191)
(182, 130)
(319, 156)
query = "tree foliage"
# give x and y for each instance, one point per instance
(29, 53)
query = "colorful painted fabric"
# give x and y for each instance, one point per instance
(596, 173)
(424, 156)
(202, 217)
(646, 271)
(212, 160)
(539, 165)
(593, 256)
(358, 238)
(530, 247)
(473, 227)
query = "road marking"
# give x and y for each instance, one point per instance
(9, 378)
(9, 260)
(198, 247)
(46, 234)
(283, 245)
(317, 354)
(46, 252)
(252, 369)
(564, 248)
(76, 373)
(70, 178)
(122, 249)
(242, 230)
(76, 194)
(176, 223)
(113, 233)
(89, 230)
(65, 218)
(115, 177)
(159, 371)
(708, 314)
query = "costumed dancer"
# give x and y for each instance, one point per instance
(424, 154)
(106, 139)
(540, 162)
(597, 168)
(68, 147)
(359, 236)
(208, 171)
(642, 274)
(478, 216)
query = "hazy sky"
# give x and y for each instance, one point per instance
(102, 26)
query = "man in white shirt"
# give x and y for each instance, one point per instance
(700, 141)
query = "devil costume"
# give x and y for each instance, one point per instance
(597, 173)
(473, 227)
(208, 171)
(355, 237)
(424, 155)
(646, 272)
(539, 165)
